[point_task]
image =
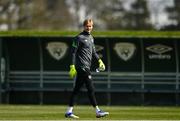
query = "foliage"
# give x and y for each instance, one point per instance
(69, 14)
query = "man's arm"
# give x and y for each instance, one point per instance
(74, 50)
(101, 64)
(95, 54)
(73, 72)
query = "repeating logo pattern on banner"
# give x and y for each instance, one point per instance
(159, 51)
(57, 49)
(125, 50)
(99, 48)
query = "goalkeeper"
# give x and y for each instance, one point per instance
(83, 50)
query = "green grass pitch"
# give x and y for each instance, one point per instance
(56, 112)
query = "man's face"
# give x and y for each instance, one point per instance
(88, 27)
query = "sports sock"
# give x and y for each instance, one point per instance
(97, 109)
(69, 110)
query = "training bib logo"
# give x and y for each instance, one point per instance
(57, 49)
(125, 50)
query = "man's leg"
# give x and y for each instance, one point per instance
(78, 84)
(92, 98)
(91, 93)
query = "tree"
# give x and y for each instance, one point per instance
(174, 16)
(9, 14)
(112, 14)
(50, 15)
(138, 17)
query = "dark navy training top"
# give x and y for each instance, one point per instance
(83, 50)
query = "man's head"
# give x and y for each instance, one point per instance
(88, 25)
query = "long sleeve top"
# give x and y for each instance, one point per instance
(83, 50)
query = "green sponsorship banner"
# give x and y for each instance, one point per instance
(159, 55)
(125, 54)
(118, 54)
(178, 53)
(22, 53)
(56, 53)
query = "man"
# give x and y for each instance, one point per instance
(83, 50)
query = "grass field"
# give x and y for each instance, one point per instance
(172, 34)
(56, 112)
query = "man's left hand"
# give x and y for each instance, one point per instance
(101, 65)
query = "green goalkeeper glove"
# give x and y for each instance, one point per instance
(101, 65)
(72, 72)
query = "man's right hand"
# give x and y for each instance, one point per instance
(72, 72)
